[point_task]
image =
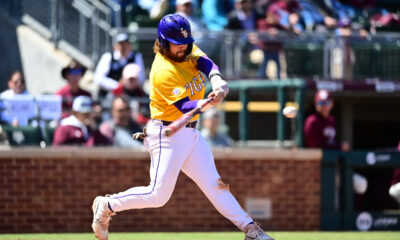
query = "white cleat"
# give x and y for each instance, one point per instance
(101, 217)
(257, 234)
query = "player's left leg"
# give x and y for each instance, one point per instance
(200, 167)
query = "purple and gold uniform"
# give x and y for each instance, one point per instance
(172, 81)
(177, 87)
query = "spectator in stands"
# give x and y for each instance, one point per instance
(286, 12)
(211, 130)
(320, 127)
(73, 74)
(130, 87)
(185, 8)
(243, 17)
(129, 83)
(109, 69)
(281, 15)
(314, 18)
(78, 129)
(16, 85)
(120, 128)
(215, 13)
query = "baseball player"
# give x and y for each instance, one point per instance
(177, 87)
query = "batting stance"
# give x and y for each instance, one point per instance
(177, 87)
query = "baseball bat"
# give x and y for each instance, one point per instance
(184, 119)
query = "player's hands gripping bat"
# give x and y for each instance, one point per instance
(185, 119)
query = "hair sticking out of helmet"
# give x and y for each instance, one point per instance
(175, 29)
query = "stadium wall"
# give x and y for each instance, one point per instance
(51, 190)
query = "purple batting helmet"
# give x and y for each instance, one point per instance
(175, 29)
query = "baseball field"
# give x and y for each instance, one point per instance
(210, 236)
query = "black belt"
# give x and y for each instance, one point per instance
(189, 125)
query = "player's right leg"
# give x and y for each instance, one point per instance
(200, 167)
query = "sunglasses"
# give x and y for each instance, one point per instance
(323, 103)
(123, 109)
(75, 71)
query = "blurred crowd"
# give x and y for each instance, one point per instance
(120, 106)
(263, 20)
(290, 15)
(75, 116)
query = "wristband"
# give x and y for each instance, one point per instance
(212, 74)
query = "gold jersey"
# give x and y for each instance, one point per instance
(172, 81)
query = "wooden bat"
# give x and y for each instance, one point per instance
(184, 119)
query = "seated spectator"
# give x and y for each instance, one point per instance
(78, 129)
(109, 69)
(73, 74)
(211, 130)
(16, 85)
(215, 13)
(130, 87)
(286, 12)
(129, 83)
(120, 128)
(243, 17)
(271, 49)
(314, 18)
(185, 9)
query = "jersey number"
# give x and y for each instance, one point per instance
(196, 85)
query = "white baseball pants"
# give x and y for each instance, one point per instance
(188, 151)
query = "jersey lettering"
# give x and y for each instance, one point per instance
(195, 85)
(189, 85)
(202, 79)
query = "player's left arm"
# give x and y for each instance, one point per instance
(219, 86)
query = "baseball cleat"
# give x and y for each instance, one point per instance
(101, 217)
(257, 234)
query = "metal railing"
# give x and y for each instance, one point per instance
(84, 29)
(316, 56)
(245, 89)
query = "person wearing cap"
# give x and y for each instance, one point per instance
(77, 129)
(109, 69)
(211, 130)
(320, 127)
(73, 74)
(185, 8)
(129, 86)
(120, 128)
(320, 132)
(129, 83)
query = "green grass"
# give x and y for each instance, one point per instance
(210, 236)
